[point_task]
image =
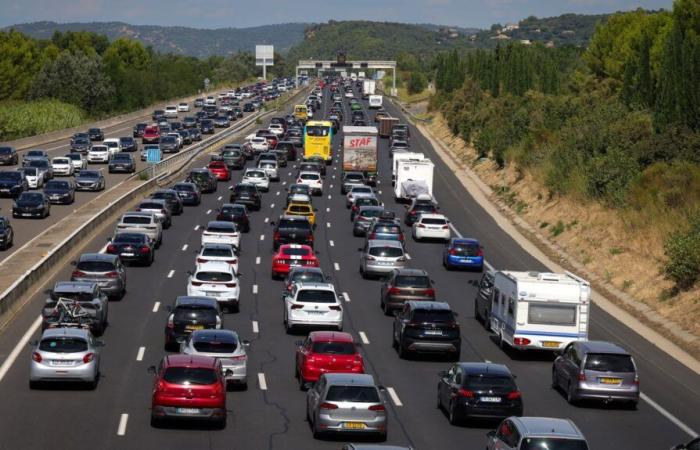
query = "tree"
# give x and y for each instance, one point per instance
(417, 83)
(21, 58)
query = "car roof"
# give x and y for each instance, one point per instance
(384, 243)
(422, 304)
(479, 368)
(195, 300)
(98, 257)
(316, 286)
(406, 271)
(330, 336)
(182, 360)
(359, 379)
(547, 426)
(74, 286)
(228, 336)
(602, 347)
(65, 332)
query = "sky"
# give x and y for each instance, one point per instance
(247, 13)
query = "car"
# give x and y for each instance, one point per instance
(90, 180)
(189, 193)
(105, 270)
(403, 285)
(189, 122)
(80, 145)
(132, 248)
(271, 168)
(248, 107)
(70, 297)
(169, 144)
(356, 192)
(204, 179)
(158, 115)
(158, 207)
(380, 257)
(31, 175)
(380, 115)
(346, 403)
(326, 352)
(175, 127)
(294, 189)
(98, 154)
(65, 355)
(350, 180)
(482, 302)
(224, 345)
(198, 102)
(195, 134)
(8, 156)
(95, 134)
(122, 162)
(525, 433)
(276, 128)
(219, 252)
(128, 144)
(60, 192)
(313, 165)
(236, 213)
(138, 130)
(302, 199)
(188, 314)
(13, 182)
(431, 226)
(222, 121)
(313, 180)
(43, 166)
(364, 217)
(216, 279)
(292, 230)
(292, 255)
(7, 233)
(151, 135)
(289, 148)
(259, 144)
(171, 111)
(426, 327)
(141, 222)
(304, 274)
(207, 126)
(476, 390)
(360, 201)
(385, 229)
(210, 100)
(31, 204)
(349, 94)
(78, 160)
(692, 445)
(463, 253)
(233, 157)
(312, 305)
(596, 370)
(171, 198)
(258, 177)
(296, 208)
(183, 107)
(114, 145)
(420, 205)
(246, 194)
(189, 387)
(220, 170)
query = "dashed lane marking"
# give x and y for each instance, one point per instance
(262, 237)
(256, 327)
(184, 247)
(394, 398)
(196, 227)
(255, 289)
(171, 273)
(336, 266)
(121, 429)
(257, 260)
(139, 354)
(156, 305)
(346, 297)
(331, 243)
(363, 337)
(262, 382)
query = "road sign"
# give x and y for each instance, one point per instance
(153, 155)
(264, 56)
(206, 84)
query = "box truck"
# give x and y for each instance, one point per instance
(368, 88)
(385, 124)
(413, 178)
(360, 151)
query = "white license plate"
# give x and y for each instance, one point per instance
(315, 312)
(61, 363)
(187, 410)
(490, 399)
(27, 214)
(127, 254)
(434, 332)
(213, 293)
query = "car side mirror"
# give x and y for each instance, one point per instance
(73, 263)
(298, 343)
(151, 370)
(246, 343)
(180, 340)
(189, 272)
(381, 388)
(230, 188)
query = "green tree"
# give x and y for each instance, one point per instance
(417, 83)
(21, 58)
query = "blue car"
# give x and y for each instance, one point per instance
(463, 253)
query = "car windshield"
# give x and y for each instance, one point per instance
(57, 185)
(216, 277)
(552, 444)
(229, 210)
(334, 348)
(95, 266)
(317, 131)
(218, 252)
(99, 148)
(206, 346)
(35, 153)
(63, 345)
(300, 251)
(89, 174)
(354, 177)
(355, 394)
(184, 187)
(199, 176)
(417, 281)
(423, 207)
(488, 383)
(42, 163)
(432, 315)
(315, 296)
(609, 362)
(5, 150)
(190, 375)
(366, 201)
(168, 140)
(386, 252)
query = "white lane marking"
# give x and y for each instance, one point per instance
(290, 173)
(336, 266)
(208, 211)
(380, 192)
(332, 244)
(156, 306)
(278, 193)
(459, 235)
(219, 198)
(121, 429)
(139, 355)
(171, 273)
(328, 224)
(329, 196)
(184, 247)
(331, 186)
(21, 345)
(408, 257)
(256, 327)
(262, 382)
(333, 177)
(267, 219)
(328, 210)
(257, 260)
(689, 431)
(283, 183)
(255, 289)
(487, 361)
(379, 181)
(272, 205)
(363, 337)
(346, 297)
(394, 397)
(196, 227)
(262, 237)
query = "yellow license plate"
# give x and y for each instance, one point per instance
(610, 380)
(194, 327)
(354, 425)
(551, 344)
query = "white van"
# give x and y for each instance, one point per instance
(375, 101)
(536, 310)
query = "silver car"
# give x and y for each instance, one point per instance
(346, 403)
(536, 433)
(223, 345)
(380, 257)
(35, 179)
(104, 269)
(65, 354)
(159, 207)
(92, 304)
(141, 222)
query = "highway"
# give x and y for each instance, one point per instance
(270, 414)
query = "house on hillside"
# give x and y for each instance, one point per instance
(525, 41)
(500, 37)
(510, 27)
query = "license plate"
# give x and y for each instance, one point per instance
(194, 327)
(315, 312)
(61, 363)
(354, 425)
(434, 332)
(213, 294)
(551, 344)
(607, 380)
(27, 214)
(187, 410)
(490, 399)
(127, 254)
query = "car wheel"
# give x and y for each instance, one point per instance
(571, 395)
(156, 422)
(454, 416)
(555, 380)
(487, 320)
(477, 316)
(403, 351)
(302, 383)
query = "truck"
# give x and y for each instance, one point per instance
(385, 125)
(368, 88)
(402, 156)
(413, 178)
(376, 101)
(360, 151)
(539, 310)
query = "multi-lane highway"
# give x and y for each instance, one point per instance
(270, 414)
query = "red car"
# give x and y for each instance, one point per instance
(151, 134)
(326, 352)
(189, 387)
(291, 255)
(220, 170)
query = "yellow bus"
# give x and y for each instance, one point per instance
(318, 136)
(301, 113)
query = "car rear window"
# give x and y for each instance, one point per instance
(361, 190)
(358, 394)
(63, 345)
(136, 220)
(386, 252)
(309, 176)
(609, 362)
(194, 312)
(487, 383)
(418, 281)
(129, 239)
(423, 207)
(334, 348)
(294, 224)
(296, 251)
(315, 296)
(552, 444)
(223, 252)
(215, 346)
(95, 266)
(433, 221)
(190, 375)
(308, 277)
(149, 205)
(221, 228)
(299, 209)
(432, 315)
(370, 213)
(217, 277)
(466, 249)
(387, 229)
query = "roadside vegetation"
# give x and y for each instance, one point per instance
(27, 118)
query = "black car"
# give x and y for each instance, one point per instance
(189, 193)
(122, 162)
(195, 134)
(96, 134)
(248, 107)
(7, 234)
(475, 389)
(185, 135)
(236, 213)
(237, 112)
(246, 194)
(233, 156)
(89, 180)
(132, 248)
(12, 183)
(426, 327)
(289, 148)
(313, 166)
(204, 179)
(138, 129)
(60, 192)
(169, 144)
(189, 122)
(191, 313)
(31, 204)
(417, 208)
(403, 285)
(206, 126)
(81, 145)
(172, 198)
(222, 121)
(8, 156)
(176, 126)
(292, 230)
(158, 115)
(128, 144)
(200, 115)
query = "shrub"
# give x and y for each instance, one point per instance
(682, 251)
(417, 83)
(20, 119)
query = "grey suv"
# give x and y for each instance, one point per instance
(105, 270)
(534, 433)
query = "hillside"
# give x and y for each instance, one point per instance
(181, 40)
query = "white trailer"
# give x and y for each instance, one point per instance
(535, 310)
(368, 88)
(376, 101)
(402, 156)
(411, 175)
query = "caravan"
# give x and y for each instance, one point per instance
(544, 311)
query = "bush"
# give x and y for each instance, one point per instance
(682, 251)
(417, 83)
(20, 119)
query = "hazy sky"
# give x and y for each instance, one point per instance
(244, 13)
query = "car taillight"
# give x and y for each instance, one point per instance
(412, 213)
(314, 263)
(582, 376)
(357, 360)
(453, 252)
(230, 284)
(444, 227)
(89, 357)
(401, 238)
(326, 405)
(420, 225)
(239, 358)
(171, 321)
(430, 292)
(371, 258)
(636, 379)
(78, 273)
(373, 236)
(514, 395)
(480, 252)
(36, 357)
(196, 283)
(521, 341)
(465, 393)
(393, 291)
(232, 261)
(299, 180)
(335, 308)
(377, 408)
(145, 249)
(202, 260)
(112, 274)
(276, 236)
(297, 306)
(111, 249)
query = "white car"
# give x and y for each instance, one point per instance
(431, 226)
(171, 111)
(313, 180)
(270, 168)
(349, 94)
(210, 100)
(257, 177)
(224, 345)
(34, 178)
(219, 252)
(310, 113)
(177, 137)
(312, 304)
(183, 107)
(217, 280)
(114, 145)
(98, 154)
(62, 166)
(220, 232)
(78, 160)
(357, 191)
(276, 129)
(259, 144)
